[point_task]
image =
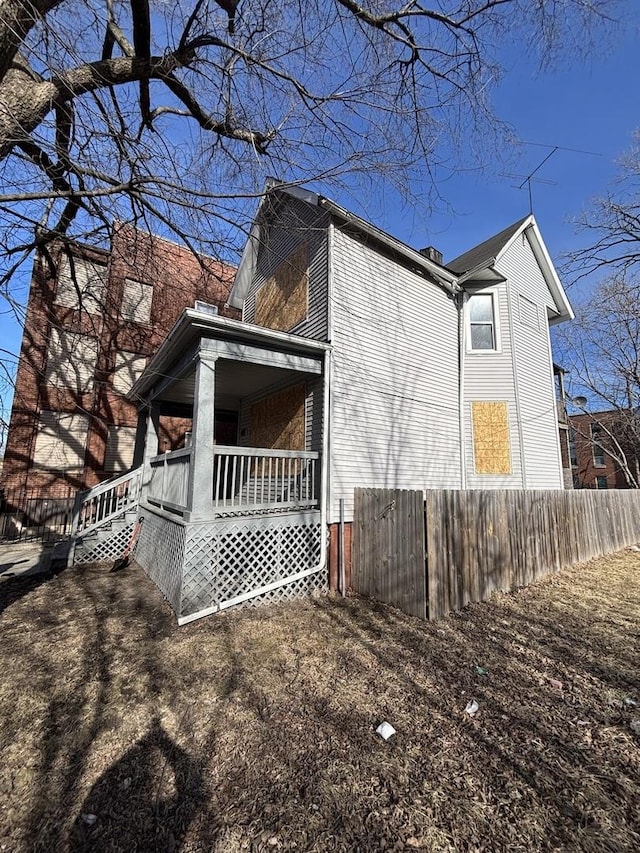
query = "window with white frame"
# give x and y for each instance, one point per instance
(128, 369)
(61, 441)
(481, 314)
(136, 301)
(71, 360)
(81, 284)
(121, 442)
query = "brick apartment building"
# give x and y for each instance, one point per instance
(93, 318)
(595, 458)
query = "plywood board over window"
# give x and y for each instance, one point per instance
(136, 301)
(121, 442)
(282, 302)
(128, 369)
(61, 441)
(278, 421)
(491, 443)
(81, 284)
(71, 360)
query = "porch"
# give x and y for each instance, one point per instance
(225, 523)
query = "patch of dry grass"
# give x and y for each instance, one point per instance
(255, 730)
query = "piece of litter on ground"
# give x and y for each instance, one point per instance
(385, 730)
(582, 723)
(633, 548)
(630, 703)
(555, 683)
(126, 783)
(480, 670)
(634, 725)
(472, 708)
(89, 819)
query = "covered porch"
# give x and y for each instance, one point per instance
(233, 507)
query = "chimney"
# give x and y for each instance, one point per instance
(433, 254)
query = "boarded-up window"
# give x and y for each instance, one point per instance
(491, 444)
(71, 360)
(81, 284)
(281, 303)
(61, 441)
(278, 422)
(121, 442)
(136, 301)
(529, 315)
(128, 368)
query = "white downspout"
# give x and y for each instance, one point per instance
(462, 348)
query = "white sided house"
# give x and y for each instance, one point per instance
(359, 362)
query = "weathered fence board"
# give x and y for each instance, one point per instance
(429, 553)
(481, 541)
(388, 548)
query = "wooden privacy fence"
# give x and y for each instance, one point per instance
(435, 551)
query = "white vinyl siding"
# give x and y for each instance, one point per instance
(121, 442)
(529, 314)
(136, 301)
(489, 376)
(128, 368)
(533, 368)
(295, 224)
(71, 360)
(61, 441)
(394, 382)
(81, 287)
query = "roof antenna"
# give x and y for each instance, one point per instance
(527, 179)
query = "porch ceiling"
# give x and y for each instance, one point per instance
(234, 380)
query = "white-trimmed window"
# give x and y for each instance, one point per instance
(136, 301)
(481, 318)
(81, 284)
(61, 441)
(121, 442)
(71, 360)
(128, 369)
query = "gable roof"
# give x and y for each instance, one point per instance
(485, 254)
(438, 272)
(481, 264)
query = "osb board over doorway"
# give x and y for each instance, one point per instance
(278, 421)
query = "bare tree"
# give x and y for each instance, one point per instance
(601, 350)
(170, 114)
(611, 226)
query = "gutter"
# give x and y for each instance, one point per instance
(446, 279)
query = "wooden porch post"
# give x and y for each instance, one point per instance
(200, 495)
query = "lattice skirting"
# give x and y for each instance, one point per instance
(232, 558)
(160, 552)
(109, 546)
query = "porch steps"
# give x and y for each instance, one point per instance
(108, 541)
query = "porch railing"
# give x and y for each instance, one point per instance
(246, 480)
(251, 479)
(101, 503)
(168, 485)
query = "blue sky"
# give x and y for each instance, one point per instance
(589, 104)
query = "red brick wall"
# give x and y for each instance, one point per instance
(586, 472)
(178, 278)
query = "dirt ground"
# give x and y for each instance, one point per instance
(255, 730)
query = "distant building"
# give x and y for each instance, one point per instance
(93, 318)
(601, 445)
